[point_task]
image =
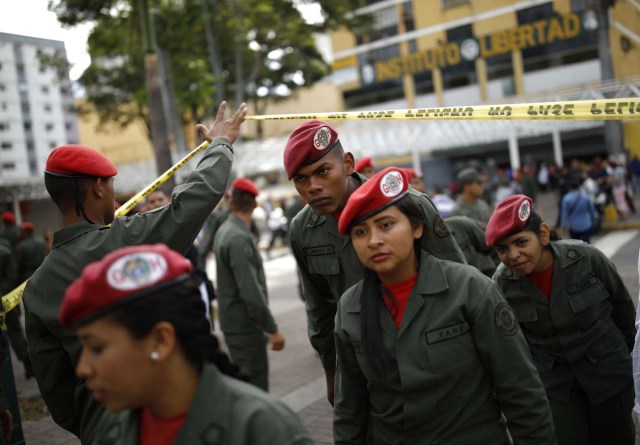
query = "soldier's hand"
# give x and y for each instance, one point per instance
(330, 375)
(229, 128)
(6, 420)
(277, 341)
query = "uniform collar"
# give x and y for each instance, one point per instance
(73, 231)
(238, 222)
(431, 281)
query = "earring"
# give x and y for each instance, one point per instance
(155, 355)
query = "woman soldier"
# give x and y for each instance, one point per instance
(428, 350)
(578, 319)
(147, 353)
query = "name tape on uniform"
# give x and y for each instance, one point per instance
(600, 109)
(13, 298)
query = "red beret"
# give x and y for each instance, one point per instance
(120, 276)
(364, 163)
(381, 190)
(307, 144)
(8, 217)
(247, 185)
(411, 173)
(77, 160)
(27, 226)
(509, 216)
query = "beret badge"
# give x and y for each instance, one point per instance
(136, 270)
(391, 184)
(322, 138)
(524, 211)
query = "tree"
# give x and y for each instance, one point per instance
(265, 48)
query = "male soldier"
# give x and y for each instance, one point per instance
(242, 288)
(365, 167)
(470, 202)
(9, 231)
(80, 182)
(324, 176)
(469, 235)
(30, 253)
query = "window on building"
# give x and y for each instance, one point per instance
(27, 125)
(6, 145)
(47, 108)
(30, 146)
(3, 106)
(33, 167)
(4, 126)
(561, 51)
(42, 69)
(44, 89)
(0, 66)
(48, 127)
(2, 87)
(463, 73)
(26, 108)
(53, 144)
(446, 4)
(8, 165)
(22, 75)
(68, 126)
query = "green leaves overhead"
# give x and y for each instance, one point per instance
(264, 47)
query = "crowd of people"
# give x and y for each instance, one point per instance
(451, 318)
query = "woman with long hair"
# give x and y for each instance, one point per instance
(578, 319)
(428, 351)
(149, 356)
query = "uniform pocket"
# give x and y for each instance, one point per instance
(589, 305)
(324, 264)
(451, 349)
(610, 342)
(587, 298)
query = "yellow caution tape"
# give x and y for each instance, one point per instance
(600, 109)
(12, 299)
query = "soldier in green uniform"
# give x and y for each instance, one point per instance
(578, 319)
(30, 251)
(469, 235)
(428, 350)
(470, 202)
(324, 176)
(80, 182)
(149, 356)
(9, 230)
(243, 301)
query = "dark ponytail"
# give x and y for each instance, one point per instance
(182, 306)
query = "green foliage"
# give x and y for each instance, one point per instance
(265, 48)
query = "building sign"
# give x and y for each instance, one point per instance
(530, 35)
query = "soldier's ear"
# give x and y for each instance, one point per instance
(545, 234)
(349, 163)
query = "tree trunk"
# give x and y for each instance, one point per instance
(159, 130)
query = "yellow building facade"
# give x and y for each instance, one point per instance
(457, 52)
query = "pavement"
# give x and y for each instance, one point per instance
(296, 375)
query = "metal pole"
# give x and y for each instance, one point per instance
(557, 147)
(514, 154)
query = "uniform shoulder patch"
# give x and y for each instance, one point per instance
(571, 254)
(505, 319)
(440, 227)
